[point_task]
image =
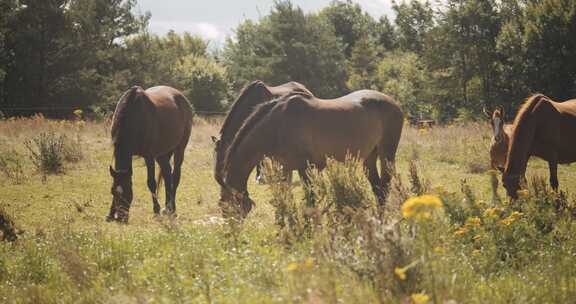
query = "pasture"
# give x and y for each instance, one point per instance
(477, 248)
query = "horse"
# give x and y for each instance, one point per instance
(250, 97)
(545, 129)
(500, 140)
(154, 124)
(299, 130)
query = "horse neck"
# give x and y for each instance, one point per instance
(243, 107)
(122, 157)
(519, 150)
(247, 155)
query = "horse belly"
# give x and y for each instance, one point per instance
(356, 134)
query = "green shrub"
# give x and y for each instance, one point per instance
(47, 152)
(203, 81)
(11, 165)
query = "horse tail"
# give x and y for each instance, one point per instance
(260, 112)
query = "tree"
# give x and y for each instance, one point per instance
(203, 81)
(64, 51)
(288, 45)
(413, 21)
(351, 23)
(362, 65)
(403, 76)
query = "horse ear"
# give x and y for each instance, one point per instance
(214, 139)
(112, 172)
(485, 111)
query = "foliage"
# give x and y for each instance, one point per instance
(47, 152)
(288, 45)
(203, 81)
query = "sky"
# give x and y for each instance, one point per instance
(214, 20)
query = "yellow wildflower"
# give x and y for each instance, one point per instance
(473, 221)
(439, 249)
(400, 273)
(461, 231)
(420, 298)
(292, 266)
(476, 252)
(477, 237)
(420, 207)
(490, 212)
(511, 218)
(523, 193)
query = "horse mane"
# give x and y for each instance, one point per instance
(120, 113)
(237, 106)
(527, 107)
(256, 116)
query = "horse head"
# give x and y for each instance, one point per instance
(121, 194)
(511, 183)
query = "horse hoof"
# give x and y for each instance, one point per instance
(168, 212)
(110, 219)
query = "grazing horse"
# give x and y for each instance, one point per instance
(500, 141)
(545, 129)
(299, 129)
(250, 97)
(155, 124)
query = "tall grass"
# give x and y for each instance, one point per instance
(477, 247)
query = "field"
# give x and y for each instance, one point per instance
(475, 248)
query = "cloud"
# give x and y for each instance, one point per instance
(205, 30)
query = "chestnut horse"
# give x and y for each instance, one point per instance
(299, 130)
(250, 97)
(155, 124)
(545, 129)
(500, 140)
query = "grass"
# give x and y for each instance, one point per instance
(66, 252)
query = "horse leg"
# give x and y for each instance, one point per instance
(287, 173)
(373, 177)
(112, 214)
(178, 160)
(553, 165)
(259, 177)
(152, 186)
(166, 171)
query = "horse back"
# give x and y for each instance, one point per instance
(168, 116)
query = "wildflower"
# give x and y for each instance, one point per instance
(473, 221)
(476, 252)
(523, 193)
(420, 298)
(400, 273)
(477, 237)
(420, 207)
(292, 266)
(461, 231)
(511, 218)
(439, 250)
(490, 212)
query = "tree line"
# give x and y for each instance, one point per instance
(445, 60)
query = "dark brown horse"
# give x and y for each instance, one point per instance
(250, 97)
(500, 140)
(545, 129)
(155, 124)
(299, 129)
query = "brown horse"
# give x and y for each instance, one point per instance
(500, 141)
(545, 129)
(299, 129)
(250, 97)
(155, 124)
